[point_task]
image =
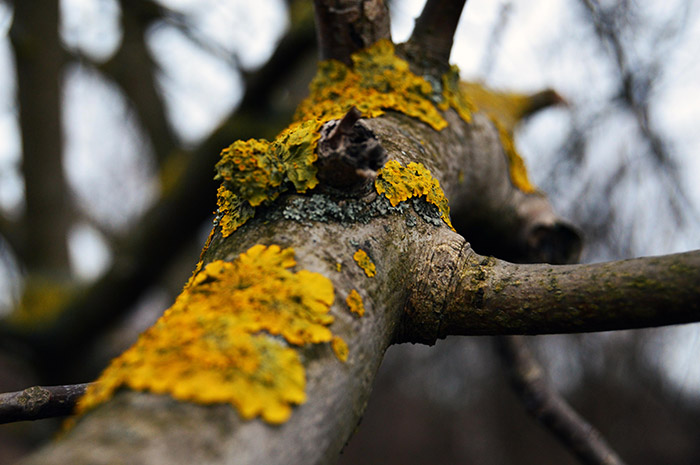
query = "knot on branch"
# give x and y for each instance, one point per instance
(349, 154)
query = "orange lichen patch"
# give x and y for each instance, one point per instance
(233, 211)
(399, 183)
(214, 345)
(507, 107)
(340, 349)
(355, 304)
(364, 262)
(505, 110)
(378, 81)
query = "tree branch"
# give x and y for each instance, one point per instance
(548, 407)
(491, 296)
(39, 402)
(39, 61)
(345, 26)
(430, 43)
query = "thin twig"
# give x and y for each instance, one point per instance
(547, 406)
(39, 402)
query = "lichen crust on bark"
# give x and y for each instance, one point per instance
(214, 346)
(256, 172)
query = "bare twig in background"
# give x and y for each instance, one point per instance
(39, 402)
(636, 86)
(48, 212)
(528, 380)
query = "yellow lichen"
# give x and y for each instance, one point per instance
(214, 345)
(364, 262)
(399, 183)
(338, 267)
(378, 81)
(454, 97)
(340, 348)
(257, 171)
(355, 304)
(505, 110)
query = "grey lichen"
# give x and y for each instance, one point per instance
(325, 208)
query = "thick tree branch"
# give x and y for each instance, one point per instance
(548, 407)
(490, 296)
(39, 402)
(345, 26)
(430, 44)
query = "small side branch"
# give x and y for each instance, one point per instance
(550, 409)
(39, 402)
(487, 296)
(345, 26)
(433, 34)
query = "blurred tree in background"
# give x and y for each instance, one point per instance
(113, 114)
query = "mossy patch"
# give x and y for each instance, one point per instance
(214, 345)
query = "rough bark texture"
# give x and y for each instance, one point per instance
(430, 44)
(345, 26)
(538, 299)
